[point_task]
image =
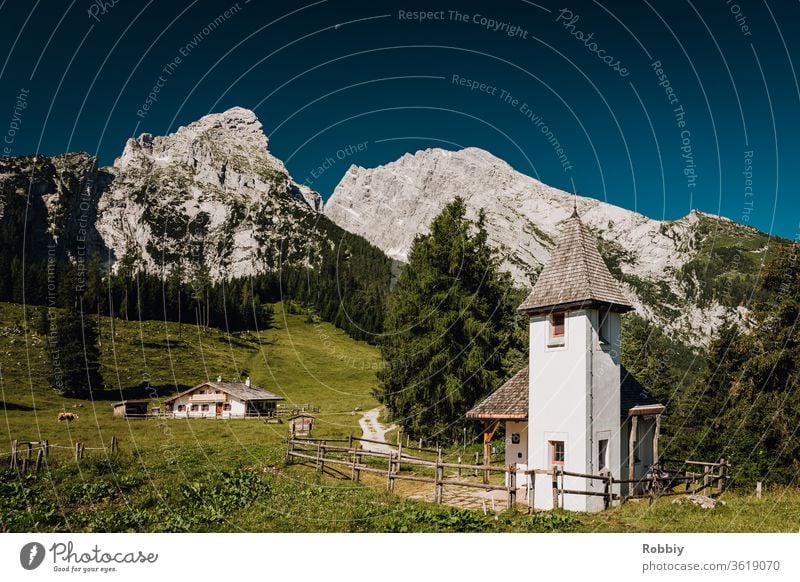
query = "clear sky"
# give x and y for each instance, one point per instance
(656, 106)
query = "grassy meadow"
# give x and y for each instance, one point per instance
(214, 475)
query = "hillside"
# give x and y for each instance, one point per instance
(686, 275)
(298, 360)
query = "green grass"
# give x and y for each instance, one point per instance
(777, 511)
(304, 363)
(210, 475)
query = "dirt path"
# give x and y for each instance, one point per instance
(374, 430)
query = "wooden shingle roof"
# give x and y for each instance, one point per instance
(238, 389)
(575, 275)
(509, 402)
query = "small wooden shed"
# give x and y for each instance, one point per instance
(301, 424)
(131, 408)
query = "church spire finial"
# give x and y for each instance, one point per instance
(575, 205)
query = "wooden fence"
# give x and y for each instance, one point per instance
(696, 477)
(21, 458)
(397, 464)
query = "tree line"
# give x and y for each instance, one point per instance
(452, 336)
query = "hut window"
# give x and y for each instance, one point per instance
(557, 452)
(557, 329)
(602, 454)
(194, 407)
(181, 407)
(204, 408)
(226, 406)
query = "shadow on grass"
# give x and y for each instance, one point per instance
(159, 344)
(12, 406)
(141, 391)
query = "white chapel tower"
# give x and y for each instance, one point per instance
(574, 406)
(574, 381)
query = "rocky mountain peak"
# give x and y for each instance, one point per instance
(664, 265)
(213, 181)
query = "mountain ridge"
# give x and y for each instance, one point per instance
(655, 259)
(210, 201)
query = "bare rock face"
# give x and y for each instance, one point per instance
(208, 197)
(391, 204)
(50, 202)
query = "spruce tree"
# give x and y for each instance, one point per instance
(450, 326)
(746, 407)
(75, 355)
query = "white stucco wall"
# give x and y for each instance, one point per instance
(237, 408)
(517, 454)
(558, 404)
(605, 398)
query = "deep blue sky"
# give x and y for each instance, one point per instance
(388, 81)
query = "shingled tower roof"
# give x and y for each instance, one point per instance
(576, 276)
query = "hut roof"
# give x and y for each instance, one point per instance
(237, 389)
(575, 275)
(509, 402)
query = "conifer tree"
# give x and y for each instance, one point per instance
(746, 407)
(451, 323)
(75, 354)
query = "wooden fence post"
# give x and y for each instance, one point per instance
(13, 464)
(531, 486)
(25, 465)
(758, 489)
(83, 450)
(438, 486)
(290, 450)
(512, 486)
(77, 452)
(721, 476)
(459, 466)
(357, 470)
(39, 458)
(555, 487)
(46, 445)
(321, 456)
(114, 445)
(389, 473)
(607, 491)
(477, 460)
(632, 454)
(349, 441)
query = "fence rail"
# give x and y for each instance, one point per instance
(21, 457)
(394, 462)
